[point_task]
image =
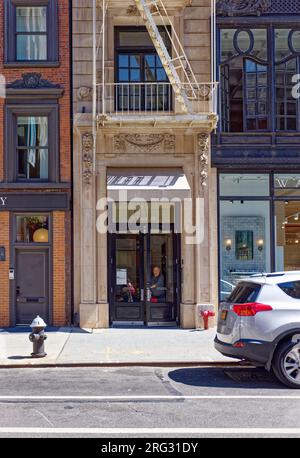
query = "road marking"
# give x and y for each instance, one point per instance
(143, 397)
(136, 431)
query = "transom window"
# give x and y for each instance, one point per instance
(253, 96)
(142, 83)
(31, 33)
(32, 148)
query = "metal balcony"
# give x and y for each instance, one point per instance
(144, 102)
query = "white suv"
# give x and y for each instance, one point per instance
(260, 323)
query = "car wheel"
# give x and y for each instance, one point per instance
(286, 364)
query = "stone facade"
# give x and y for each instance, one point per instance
(167, 144)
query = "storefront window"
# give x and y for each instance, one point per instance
(287, 226)
(32, 229)
(287, 184)
(244, 241)
(237, 184)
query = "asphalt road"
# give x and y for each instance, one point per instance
(144, 402)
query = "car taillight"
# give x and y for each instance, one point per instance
(250, 308)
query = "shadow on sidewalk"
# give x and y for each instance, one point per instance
(252, 378)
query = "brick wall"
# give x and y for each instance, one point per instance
(59, 274)
(4, 269)
(60, 75)
(61, 235)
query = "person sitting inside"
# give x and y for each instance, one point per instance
(157, 285)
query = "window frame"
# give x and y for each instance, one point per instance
(31, 214)
(271, 66)
(10, 35)
(142, 52)
(12, 112)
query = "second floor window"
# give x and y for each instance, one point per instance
(31, 33)
(32, 148)
(256, 79)
(141, 81)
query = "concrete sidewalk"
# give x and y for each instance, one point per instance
(74, 346)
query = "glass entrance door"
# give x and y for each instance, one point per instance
(144, 277)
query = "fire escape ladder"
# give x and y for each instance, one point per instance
(186, 90)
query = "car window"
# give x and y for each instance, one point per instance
(244, 292)
(291, 288)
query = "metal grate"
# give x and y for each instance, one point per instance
(285, 7)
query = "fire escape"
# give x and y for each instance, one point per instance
(192, 102)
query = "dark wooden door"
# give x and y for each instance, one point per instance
(32, 285)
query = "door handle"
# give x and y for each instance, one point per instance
(142, 294)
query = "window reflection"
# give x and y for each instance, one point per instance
(287, 223)
(32, 229)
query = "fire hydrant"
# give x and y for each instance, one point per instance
(38, 337)
(206, 314)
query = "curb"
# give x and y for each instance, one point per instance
(131, 364)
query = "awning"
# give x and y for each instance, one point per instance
(147, 184)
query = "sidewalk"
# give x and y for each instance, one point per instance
(74, 346)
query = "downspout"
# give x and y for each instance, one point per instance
(71, 309)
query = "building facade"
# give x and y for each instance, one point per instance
(143, 113)
(35, 162)
(256, 148)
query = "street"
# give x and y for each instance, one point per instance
(130, 402)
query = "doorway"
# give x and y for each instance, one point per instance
(31, 285)
(144, 278)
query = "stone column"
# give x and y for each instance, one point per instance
(102, 256)
(187, 306)
(88, 307)
(203, 250)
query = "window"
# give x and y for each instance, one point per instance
(255, 65)
(287, 224)
(244, 292)
(32, 229)
(32, 147)
(142, 83)
(31, 32)
(291, 288)
(32, 144)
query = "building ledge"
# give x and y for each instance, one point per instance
(208, 121)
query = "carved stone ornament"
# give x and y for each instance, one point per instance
(132, 10)
(85, 93)
(203, 151)
(243, 7)
(144, 143)
(32, 81)
(87, 157)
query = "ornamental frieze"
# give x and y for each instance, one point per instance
(243, 7)
(87, 157)
(144, 143)
(203, 152)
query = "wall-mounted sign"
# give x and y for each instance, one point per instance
(37, 201)
(11, 274)
(3, 201)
